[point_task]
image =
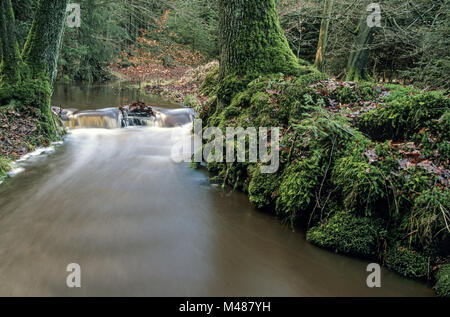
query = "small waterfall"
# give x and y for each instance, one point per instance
(109, 118)
(114, 118)
(158, 120)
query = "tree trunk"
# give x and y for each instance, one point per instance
(359, 57)
(323, 35)
(10, 56)
(41, 49)
(252, 41)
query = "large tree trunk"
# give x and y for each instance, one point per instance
(359, 57)
(41, 49)
(10, 56)
(251, 39)
(323, 35)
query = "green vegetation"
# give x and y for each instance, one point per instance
(442, 286)
(26, 78)
(357, 176)
(364, 166)
(409, 46)
(4, 168)
(348, 234)
(404, 116)
(262, 188)
(259, 45)
(408, 262)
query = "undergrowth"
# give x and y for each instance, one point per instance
(364, 168)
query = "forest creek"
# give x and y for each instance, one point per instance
(230, 248)
(359, 128)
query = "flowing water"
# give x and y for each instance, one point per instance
(113, 201)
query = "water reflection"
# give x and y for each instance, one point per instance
(102, 96)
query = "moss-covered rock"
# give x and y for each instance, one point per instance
(327, 164)
(349, 234)
(408, 262)
(263, 188)
(442, 286)
(360, 181)
(298, 186)
(403, 116)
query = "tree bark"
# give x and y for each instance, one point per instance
(323, 34)
(359, 57)
(10, 55)
(41, 49)
(251, 39)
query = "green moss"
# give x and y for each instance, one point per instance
(408, 262)
(427, 218)
(258, 44)
(232, 174)
(263, 188)
(310, 76)
(327, 164)
(356, 92)
(434, 141)
(442, 286)
(402, 117)
(230, 86)
(363, 185)
(298, 186)
(41, 49)
(4, 167)
(211, 82)
(349, 234)
(191, 101)
(31, 92)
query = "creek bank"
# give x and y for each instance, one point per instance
(364, 167)
(22, 133)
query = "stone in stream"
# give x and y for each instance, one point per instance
(137, 114)
(138, 109)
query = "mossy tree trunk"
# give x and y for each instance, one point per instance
(323, 34)
(10, 56)
(359, 58)
(27, 79)
(41, 49)
(252, 41)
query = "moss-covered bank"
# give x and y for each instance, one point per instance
(364, 168)
(26, 119)
(442, 286)
(21, 132)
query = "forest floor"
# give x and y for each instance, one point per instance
(19, 134)
(174, 83)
